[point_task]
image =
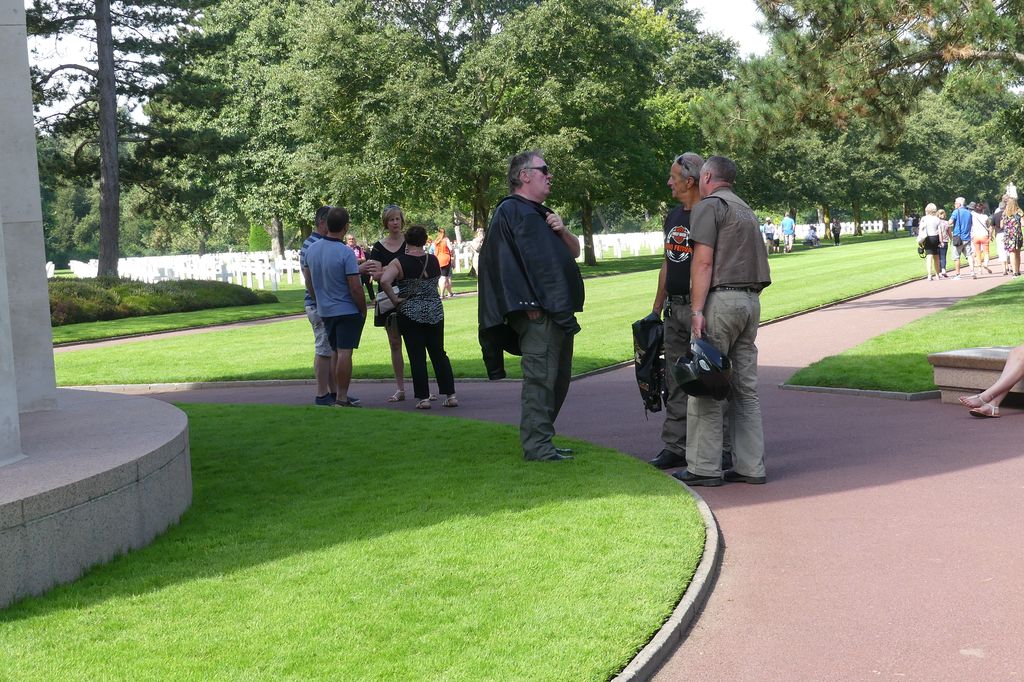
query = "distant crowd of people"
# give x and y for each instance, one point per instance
(970, 230)
(781, 238)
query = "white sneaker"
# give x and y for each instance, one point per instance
(956, 277)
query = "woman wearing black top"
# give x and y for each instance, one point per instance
(420, 316)
(384, 251)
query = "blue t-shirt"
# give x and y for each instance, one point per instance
(788, 225)
(330, 264)
(311, 239)
(961, 220)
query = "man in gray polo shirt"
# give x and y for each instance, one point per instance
(730, 268)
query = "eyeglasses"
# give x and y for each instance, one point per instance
(543, 169)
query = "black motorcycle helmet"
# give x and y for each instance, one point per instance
(704, 371)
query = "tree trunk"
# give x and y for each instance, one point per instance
(276, 230)
(481, 207)
(857, 230)
(588, 231)
(110, 185)
(825, 217)
(885, 220)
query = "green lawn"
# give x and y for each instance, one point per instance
(290, 296)
(282, 350)
(897, 360)
(410, 555)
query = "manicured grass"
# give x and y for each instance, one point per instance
(897, 360)
(282, 350)
(408, 555)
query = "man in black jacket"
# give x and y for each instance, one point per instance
(529, 291)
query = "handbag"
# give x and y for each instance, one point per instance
(383, 308)
(957, 241)
(382, 305)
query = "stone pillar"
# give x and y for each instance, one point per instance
(24, 261)
(10, 430)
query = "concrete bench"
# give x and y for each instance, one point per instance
(969, 371)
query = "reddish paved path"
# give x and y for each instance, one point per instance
(887, 544)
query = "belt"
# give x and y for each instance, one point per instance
(749, 289)
(681, 298)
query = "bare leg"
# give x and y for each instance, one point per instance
(397, 361)
(324, 373)
(1013, 372)
(1015, 261)
(343, 371)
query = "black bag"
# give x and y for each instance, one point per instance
(957, 241)
(648, 350)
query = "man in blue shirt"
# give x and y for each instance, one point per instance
(789, 230)
(326, 391)
(960, 233)
(336, 289)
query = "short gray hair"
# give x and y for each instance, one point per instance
(690, 164)
(516, 165)
(721, 168)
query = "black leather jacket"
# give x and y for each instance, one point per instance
(523, 266)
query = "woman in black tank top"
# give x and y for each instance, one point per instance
(384, 251)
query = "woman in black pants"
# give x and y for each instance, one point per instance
(420, 316)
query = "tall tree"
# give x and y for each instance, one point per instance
(130, 39)
(874, 57)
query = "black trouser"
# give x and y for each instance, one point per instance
(421, 339)
(835, 236)
(368, 283)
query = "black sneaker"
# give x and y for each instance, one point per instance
(693, 479)
(551, 457)
(326, 399)
(734, 477)
(667, 459)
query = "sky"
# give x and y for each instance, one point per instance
(734, 19)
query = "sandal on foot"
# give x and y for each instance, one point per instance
(423, 404)
(433, 396)
(972, 401)
(398, 397)
(450, 401)
(986, 411)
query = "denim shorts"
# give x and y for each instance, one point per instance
(344, 331)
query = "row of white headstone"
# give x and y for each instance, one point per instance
(260, 270)
(256, 270)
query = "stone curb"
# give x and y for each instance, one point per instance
(664, 643)
(200, 385)
(863, 392)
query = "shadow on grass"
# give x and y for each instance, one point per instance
(265, 488)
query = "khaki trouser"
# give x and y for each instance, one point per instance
(677, 344)
(547, 369)
(732, 318)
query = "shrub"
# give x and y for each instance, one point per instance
(259, 239)
(110, 298)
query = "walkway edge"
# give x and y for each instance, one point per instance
(864, 392)
(664, 643)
